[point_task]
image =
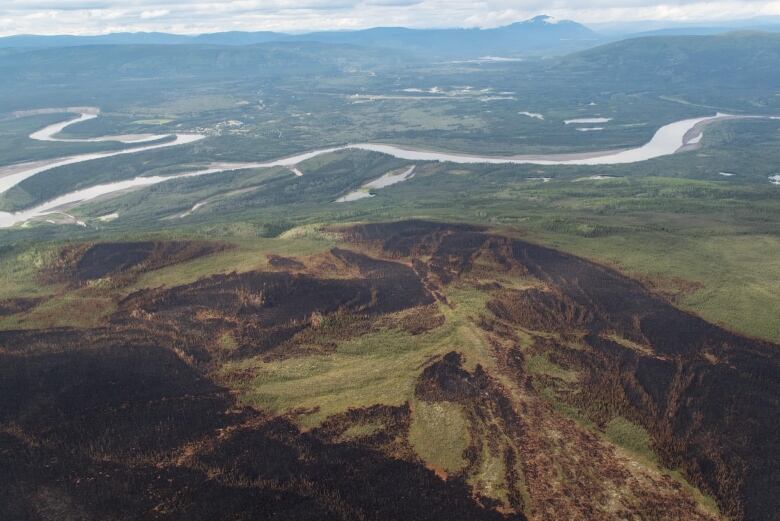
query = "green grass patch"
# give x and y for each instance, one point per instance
(247, 255)
(71, 310)
(491, 477)
(637, 441)
(630, 436)
(439, 434)
(549, 394)
(540, 364)
(361, 431)
(227, 341)
(375, 368)
(19, 270)
(466, 304)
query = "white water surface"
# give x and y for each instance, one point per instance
(386, 180)
(534, 115)
(597, 177)
(8, 219)
(108, 217)
(15, 174)
(586, 120)
(696, 139)
(666, 141)
(50, 133)
(12, 175)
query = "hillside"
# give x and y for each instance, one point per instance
(140, 73)
(384, 356)
(737, 59)
(119, 62)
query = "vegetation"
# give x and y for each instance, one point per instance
(323, 339)
(478, 342)
(439, 434)
(540, 364)
(631, 436)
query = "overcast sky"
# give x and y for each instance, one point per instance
(199, 16)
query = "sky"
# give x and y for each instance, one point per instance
(201, 16)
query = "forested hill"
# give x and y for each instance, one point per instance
(738, 58)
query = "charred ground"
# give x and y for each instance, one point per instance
(209, 398)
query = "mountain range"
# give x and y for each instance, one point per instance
(542, 34)
(539, 36)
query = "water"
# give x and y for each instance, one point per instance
(666, 141)
(8, 219)
(49, 133)
(586, 120)
(534, 115)
(388, 179)
(12, 175)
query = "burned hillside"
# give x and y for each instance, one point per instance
(536, 354)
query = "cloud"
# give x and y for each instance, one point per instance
(393, 3)
(154, 13)
(199, 16)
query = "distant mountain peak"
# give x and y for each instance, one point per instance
(544, 19)
(551, 28)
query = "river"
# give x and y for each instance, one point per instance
(668, 140)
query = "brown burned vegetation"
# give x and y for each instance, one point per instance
(381, 427)
(273, 313)
(708, 397)
(540, 310)
(17, 305)
(122, 421)
(125, 429)
(120, 261)
(494, 424)
(278, 261)
(131, 419)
